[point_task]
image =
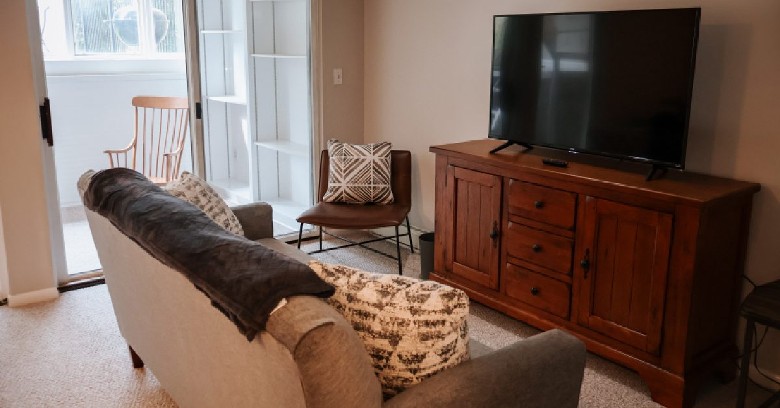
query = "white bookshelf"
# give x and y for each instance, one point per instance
(286, 147)
(234, 99)
(279, 56)
(221, 31)
(255, 84)
(279, 50)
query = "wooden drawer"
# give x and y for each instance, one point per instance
(548, 205)
(538, 247)
(537, 290)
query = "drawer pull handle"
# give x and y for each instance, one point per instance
(534, 291)
(536, 248)
(538, 203)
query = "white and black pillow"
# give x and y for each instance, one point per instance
(411, 329)
(359, 174)
(196, 191)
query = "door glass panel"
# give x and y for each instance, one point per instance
(86, 118)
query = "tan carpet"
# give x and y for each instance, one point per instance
(68, 353)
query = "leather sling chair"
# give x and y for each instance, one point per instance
(365, 216)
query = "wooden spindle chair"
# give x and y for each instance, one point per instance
(161, 127)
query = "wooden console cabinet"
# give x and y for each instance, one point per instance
(646, 273)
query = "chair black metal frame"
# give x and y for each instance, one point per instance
(362, 244)
(761, 306)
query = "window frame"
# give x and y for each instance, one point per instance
(147, 61)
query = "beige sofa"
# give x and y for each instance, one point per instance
(309, 356)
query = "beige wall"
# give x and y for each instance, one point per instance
(24, 221)
(427, 72)
(342, 47)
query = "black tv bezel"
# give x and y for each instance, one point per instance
(655, 163)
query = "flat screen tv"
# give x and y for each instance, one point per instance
(614, 83)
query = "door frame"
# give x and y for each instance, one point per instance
(56, 237)
(191, 45)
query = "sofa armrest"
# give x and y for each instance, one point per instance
(333, 365)
(545, 370)
(256, 219)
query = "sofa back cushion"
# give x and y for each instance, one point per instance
(243, 279)
(198, 356)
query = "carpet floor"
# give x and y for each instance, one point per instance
(69, 353)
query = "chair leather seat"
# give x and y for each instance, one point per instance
(355, 216)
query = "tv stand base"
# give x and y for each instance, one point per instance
(656, 172)
(510, 143)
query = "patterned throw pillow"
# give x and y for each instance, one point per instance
(196, 191)
(359, 174)
(412, 329)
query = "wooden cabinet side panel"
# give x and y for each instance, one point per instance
(442, 219)
(717, 280)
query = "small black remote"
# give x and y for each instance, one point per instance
(555, 162)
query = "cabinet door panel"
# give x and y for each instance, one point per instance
(476, 209)
(624, 281)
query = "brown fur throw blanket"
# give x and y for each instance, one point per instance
(243, 279)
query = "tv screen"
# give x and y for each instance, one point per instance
(614, 83)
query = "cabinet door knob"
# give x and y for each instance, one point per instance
(534, 291)
(585, 263)
(536, 248)
(494, 231)
(538, 203)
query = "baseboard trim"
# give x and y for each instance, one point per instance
(416, 232)
(33, 297)
(82, 283)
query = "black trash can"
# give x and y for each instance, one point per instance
(426, 254)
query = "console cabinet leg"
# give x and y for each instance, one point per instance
(137, 362)
(670, 390)
(726, 371)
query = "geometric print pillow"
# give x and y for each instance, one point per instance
(359, 174)
(411, 329)
(197, 192)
